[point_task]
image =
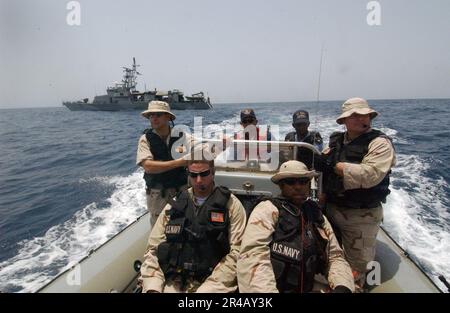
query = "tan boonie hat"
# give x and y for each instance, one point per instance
(157, 107)
(358, 106)
(293, 169)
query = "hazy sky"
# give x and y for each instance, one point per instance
(237, 51)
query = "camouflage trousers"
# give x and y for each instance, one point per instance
(175, 286)
(157, 200)
(358, 229)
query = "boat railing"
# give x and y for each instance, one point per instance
(284, 147)
(267, 142)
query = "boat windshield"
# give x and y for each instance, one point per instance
(255, 156)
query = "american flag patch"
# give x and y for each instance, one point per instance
(217, 217)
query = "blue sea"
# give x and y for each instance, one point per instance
(68, 180)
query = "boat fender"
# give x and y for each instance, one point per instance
(445, 282)
(137, 266)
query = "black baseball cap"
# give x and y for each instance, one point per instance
(247, 113)
(300, 117)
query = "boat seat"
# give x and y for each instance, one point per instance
(248, 202)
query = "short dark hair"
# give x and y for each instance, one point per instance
(202, 161)
(205, 157)
(201, 154)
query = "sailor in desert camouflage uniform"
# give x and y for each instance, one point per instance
(288, 241)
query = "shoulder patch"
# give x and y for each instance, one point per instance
(173, 229)
(217, 217)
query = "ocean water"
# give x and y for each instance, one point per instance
(68, 180)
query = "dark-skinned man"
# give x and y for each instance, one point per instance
(300, 122)
(288, 241)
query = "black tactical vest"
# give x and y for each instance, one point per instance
(174, 178)
(305, 155)
(297, 250)
(353, 152)
(195, 242)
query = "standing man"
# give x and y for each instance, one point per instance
(360, 162)
(164, 176)
(195, 242)
(288, 240)
(300, 121)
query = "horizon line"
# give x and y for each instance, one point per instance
(251, 103)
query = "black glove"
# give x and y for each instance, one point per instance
(325, 163)
(341, 289)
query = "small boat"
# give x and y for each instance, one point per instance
(114, 266)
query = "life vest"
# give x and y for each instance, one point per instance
(353, 152)
(174, 178)
(196, 242)
(305, 155)
(241, 151)
(297, 250)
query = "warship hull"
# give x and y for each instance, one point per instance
(132, 105)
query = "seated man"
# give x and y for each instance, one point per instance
(195, 242)
(288, 240)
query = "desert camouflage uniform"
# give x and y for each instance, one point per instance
(359, 227)
(156, 198)
(223, 277)
(255, 272)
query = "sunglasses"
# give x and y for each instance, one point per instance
(248, 121)
(293, 181)
(159, 114)
(201, 174)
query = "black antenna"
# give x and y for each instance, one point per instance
(318, 95)
(320, 74)
(314, 182)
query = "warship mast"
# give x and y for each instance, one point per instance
(130, 76)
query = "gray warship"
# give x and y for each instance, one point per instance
(124, 96)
